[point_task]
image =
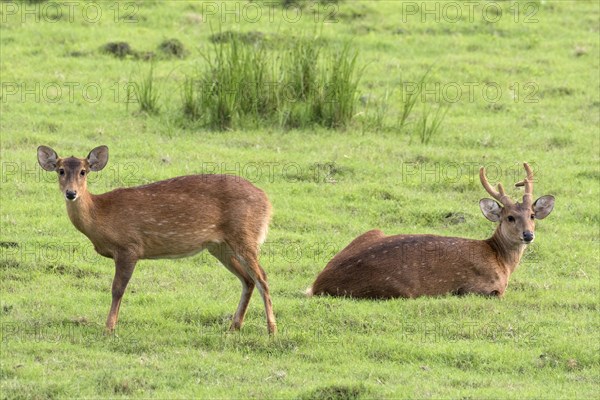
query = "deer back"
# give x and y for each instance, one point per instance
(379, 266)
(177, 217)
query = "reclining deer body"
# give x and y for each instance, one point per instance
(377, 266)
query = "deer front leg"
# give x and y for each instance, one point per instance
(124, 266)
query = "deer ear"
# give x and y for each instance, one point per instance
(490, 209)
(98, 158)
(543, 206)
(47, 158)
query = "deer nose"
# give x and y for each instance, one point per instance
(70, 194)
(528, 236)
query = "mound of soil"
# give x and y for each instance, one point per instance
(172, 48)
(118, 49)
(245, 37)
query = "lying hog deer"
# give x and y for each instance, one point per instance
(377, 266)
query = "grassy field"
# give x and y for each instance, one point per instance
(521, 82)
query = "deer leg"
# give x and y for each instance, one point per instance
(247, 289)
(226, 256)
(124, 267)
(254, 270)
(263, 288)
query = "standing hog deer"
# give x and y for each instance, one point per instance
(377, 266)
(173, 218)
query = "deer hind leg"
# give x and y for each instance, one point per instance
(226, 256)
(124, 266)
(248, 259)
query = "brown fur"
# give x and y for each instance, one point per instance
(377, 266)
(415, 265)
(173, 218)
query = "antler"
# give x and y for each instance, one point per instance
(499, 195)
(528, 183)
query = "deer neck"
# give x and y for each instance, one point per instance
(508, 252)
(81, 211)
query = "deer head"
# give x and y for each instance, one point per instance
(72, 171)
(517, 220)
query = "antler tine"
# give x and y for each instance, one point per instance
(501, 190)
(499, 195)
(528, 183)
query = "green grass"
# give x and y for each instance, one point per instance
(294, 84)
(144, 93)
(327, 186)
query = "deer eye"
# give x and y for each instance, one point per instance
(82, 173)
(511, 218)
(61, 172)
(532, 216)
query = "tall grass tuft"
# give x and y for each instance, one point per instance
(339, 89)
(190, 100)
(429, 127)
(429, 122)
(145, 93)
(300, 69)
(235, 86)
(409, 101)
(247, 84)
(218, 92)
